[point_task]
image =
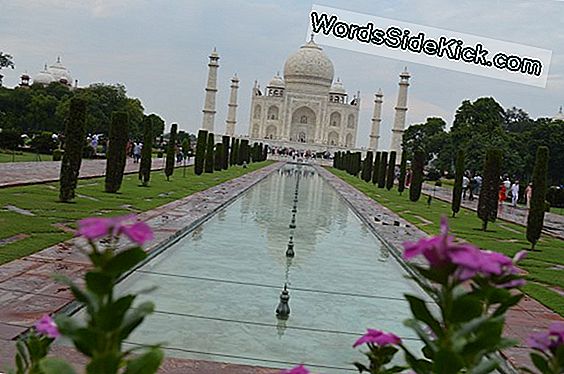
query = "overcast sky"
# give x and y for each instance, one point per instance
(158, 49)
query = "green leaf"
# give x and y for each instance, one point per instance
(124, 261)
(466, 308)
(84, 340)
(147, 363)
(111, 316)
(540, 362)
(51, 365)
(99, 283)
(134, 317)
(108, 363)
(22, 350)
(423, 335)
(447, 362)
(422, 313)
(484, 367)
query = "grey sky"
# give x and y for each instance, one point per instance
(159, 50)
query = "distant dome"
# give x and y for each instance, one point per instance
(309, 65)
(276, 82)
(44, 77)
(559, 116)
(338, 88)
(60, 73)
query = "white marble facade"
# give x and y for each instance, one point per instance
(305, 107)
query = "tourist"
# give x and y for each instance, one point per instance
(528, 194)
(478, 178)
(507, 184)
(137, 152)
(502, 195)
(514, 193)
(465, 183)
(471, 188)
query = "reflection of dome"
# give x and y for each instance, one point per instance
(338, 87)
(44, 77)
(276, 82)
(309, 65)
(60, 73)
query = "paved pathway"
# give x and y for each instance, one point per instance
(553, 223)
(27, 290)
(527, 317)
(20, 173)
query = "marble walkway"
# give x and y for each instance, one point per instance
(22, 173)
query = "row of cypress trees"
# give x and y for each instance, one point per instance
(211, 156)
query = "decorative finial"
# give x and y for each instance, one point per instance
(58, 59)
(215, 50)
(278, 73)
(560, 111)
(45, 67)
(283, 309)
(311, 38)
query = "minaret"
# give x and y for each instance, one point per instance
(232, 108)
(376, 119)
(399, 119)
(211, 90)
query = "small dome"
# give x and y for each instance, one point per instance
(276, 82)
(59, 72)
(309, 65)
(44, 77)
(338, 88)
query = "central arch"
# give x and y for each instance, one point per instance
(303, 125)
(333, 138)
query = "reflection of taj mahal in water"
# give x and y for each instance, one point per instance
(306, 108)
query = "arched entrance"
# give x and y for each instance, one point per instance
(333, 138)
(271, 132)
(303, 125)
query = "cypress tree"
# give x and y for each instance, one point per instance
(358, 163)
(488, 200)
(146, 152)
(457, 189)
(367, 167)
(171, 152)
(232, 159)
(535, 219)
(115, 165)
(382, 170)
(417, 178)
(403, 167)
(391, 171)
(336, 160)
(225, 163)
(348, 162)
(237, 151)
(218, 157)
(74, 142)
(201, 145)
(376, 168)
(244, 151)
(209, 161)
(265, 152)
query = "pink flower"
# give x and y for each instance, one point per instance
(95, 228)
(377, 337)
(548, 341)
(296, 370)
(138, 233)
(46, 326)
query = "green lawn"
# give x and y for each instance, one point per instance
(7, 156)
(545, 268)
(44, 228)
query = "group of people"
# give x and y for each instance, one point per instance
(133, 149)
(511, 190)
(471, 184)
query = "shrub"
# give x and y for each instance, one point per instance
(433, 175)
(488, 199)
(382, 170)
(43, 143)
(146, 151)
(535, 219)
(57, 154)
(201, 145)
(391, 171)
(171, 152)
(115, 164)
(10, 139)
(555, 196)
(72, 157)
(403, 167)
(457, 190)
(417, 176)
(209, 161)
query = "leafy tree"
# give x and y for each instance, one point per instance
(218, 157)
(6, 61)
(225, 162)
(391, 171)
(10, 139)
(171, 151)
(200, 152)
(428, 136)
(367, 166)
(382, 170)
(535, 219)
(403, 167)
(487, 202)
(417, 178)
(43, 142)
(209, 160)
(376, 168)
(72, 158)
(115, 164)
(146, 151)
(457, 190)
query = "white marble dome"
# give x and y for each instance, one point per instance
(60, 73)
(309, 65)
(276, 82)
(44, 77)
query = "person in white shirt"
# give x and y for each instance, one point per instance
(514, 193)
(507, 184)
(465, 183)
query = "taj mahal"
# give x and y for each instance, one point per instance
(306, 108)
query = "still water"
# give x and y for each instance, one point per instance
(218, 288)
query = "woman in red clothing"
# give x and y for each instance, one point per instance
(502, 195)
